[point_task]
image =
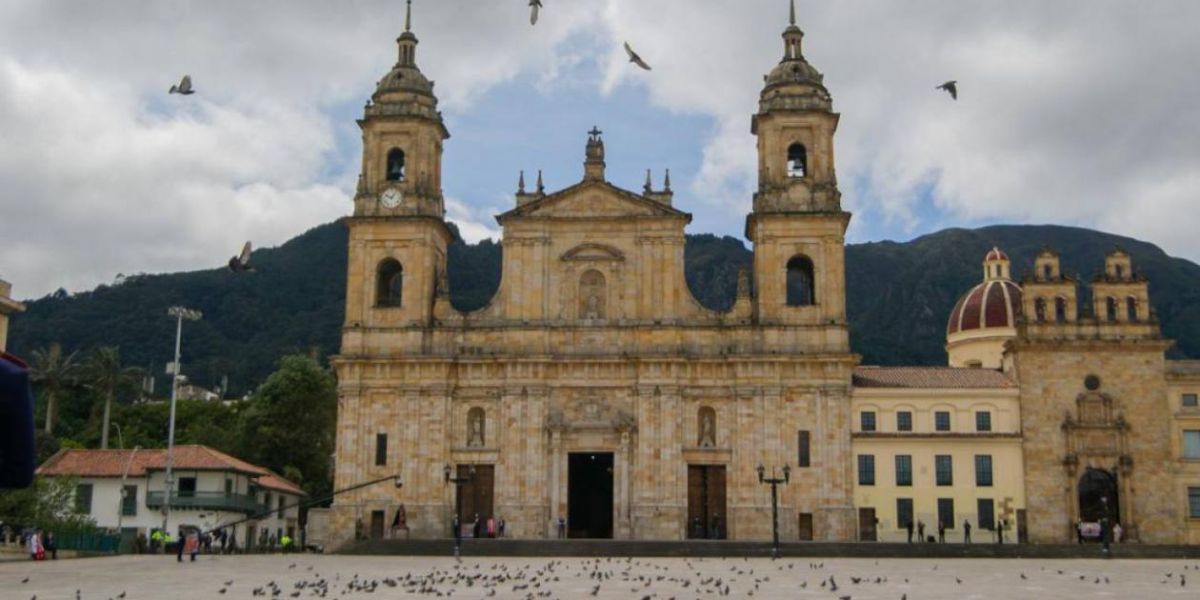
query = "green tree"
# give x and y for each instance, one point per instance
(288, 423)
(52, 373)
(49, 504)
(104, 373)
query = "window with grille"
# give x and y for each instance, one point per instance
(983, 421)
(941, 420)
(867, 419)
(83, 498)
(904, 421)
(986, 517)
(983, 470)
(904, 512)
(129, 500)
(945, 469)
(904, 469)
(946, 512)
(866, 469)
(1191, 444)
(1191, 400)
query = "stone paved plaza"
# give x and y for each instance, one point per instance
(424, 577)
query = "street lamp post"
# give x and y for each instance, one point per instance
(180, 313)
(774, 482)
(458, 482)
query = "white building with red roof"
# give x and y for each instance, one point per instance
(124, 490)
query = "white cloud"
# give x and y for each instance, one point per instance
(1073, 112)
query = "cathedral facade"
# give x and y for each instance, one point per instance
(595, 397)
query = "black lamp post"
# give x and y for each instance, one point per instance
(774, 483)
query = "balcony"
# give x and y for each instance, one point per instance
(207, 501)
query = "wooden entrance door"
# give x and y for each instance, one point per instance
(377, 524)
(706, 502)
(806, 527)
(866, 525)
(475, 496)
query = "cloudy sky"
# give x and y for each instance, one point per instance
(1078, 112)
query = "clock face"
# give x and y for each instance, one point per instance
(391, 198)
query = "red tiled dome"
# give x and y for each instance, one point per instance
(993, 303)
(995, 254)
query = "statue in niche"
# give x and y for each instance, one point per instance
(708, 428)
(591, 295)
(475, 428)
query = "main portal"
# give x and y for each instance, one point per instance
(590, 495)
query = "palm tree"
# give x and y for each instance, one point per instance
(52, 373)
(104, 373)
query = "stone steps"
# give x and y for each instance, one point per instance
(702, 548)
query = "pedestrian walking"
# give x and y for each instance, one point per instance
(477, 527)
(966, 531)
(51, 545)
(491, 526)
(34, 546)
(191, 544)
(500, 527)
(909, 527)
(562, 528)
(1117, 533)
(179, 546)
(1105, 535)
(1000, 532)
(456, 528)
(1079, 531)
(921, 530)
(941, 532)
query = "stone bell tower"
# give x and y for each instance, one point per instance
(798, 226)
(398, 235)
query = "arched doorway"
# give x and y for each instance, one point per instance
(1098, 496)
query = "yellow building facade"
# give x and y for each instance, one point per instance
(595, 397)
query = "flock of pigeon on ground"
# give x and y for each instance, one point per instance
(625, 577)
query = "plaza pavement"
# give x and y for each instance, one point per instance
(159, 577)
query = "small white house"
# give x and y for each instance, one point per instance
(123, 490)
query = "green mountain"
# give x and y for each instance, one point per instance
(899, 297)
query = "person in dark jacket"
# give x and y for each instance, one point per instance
(909, 527)
(17, 451)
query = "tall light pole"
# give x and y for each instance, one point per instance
(180, 313)
(774, 482)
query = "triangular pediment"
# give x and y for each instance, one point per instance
(593, 199)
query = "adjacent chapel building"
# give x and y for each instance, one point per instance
(595, 390)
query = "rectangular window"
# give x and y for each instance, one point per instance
(380, 449)
(944, 466)
(986, 518)
(866, 469)
(1191, 400)
(1191, 444)
(267, 500)
(904, 421)
(941, 420)
(983, 470)
(904, 469)
(983, 421)
(804, 457)
(228, 487)
(1194, 502)
(904, 512)
(129, 500)
(946, 512)
(282, 503)
(867, 419)
(187, 487)
(83, 498)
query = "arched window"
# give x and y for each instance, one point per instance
(706, 427)
(1047, 272)
(1039, 309)
(389, 283)
(395, 165)
(1060, 310)
(797, 161)
(591, 295)
(476, 427)
(801, 283)
(1131, 308)
(1111, 305)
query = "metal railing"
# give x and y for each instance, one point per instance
(207, 500)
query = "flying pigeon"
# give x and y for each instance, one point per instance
(184, 87)
(950, 86)
(534, 7)
(634, 58)
(241, 263)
